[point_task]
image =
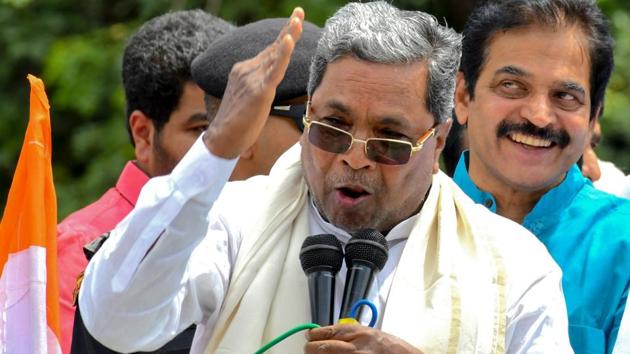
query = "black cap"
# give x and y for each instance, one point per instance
(210, 70)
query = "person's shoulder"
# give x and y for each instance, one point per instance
(603, 197)
(249, 188)
(90, 220)
(612, 180)
(521, 252)
(524, 258)
(512, 241)
(238, 198)
(606, 210)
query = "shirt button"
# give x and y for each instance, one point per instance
(488, 203)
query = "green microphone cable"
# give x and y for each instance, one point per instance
(284, 335)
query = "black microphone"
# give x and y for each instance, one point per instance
(366, 254)
(321, 257)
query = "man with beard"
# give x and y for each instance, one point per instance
(165, 115)
(532, 82)
(225, 256)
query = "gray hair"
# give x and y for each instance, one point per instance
(380, 33)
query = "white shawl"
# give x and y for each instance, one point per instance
(447, 295)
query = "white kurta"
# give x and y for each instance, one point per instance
(132, 300)
(622, 346)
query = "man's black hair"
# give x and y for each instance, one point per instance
(453, 146)
(156, 61)
(494, 16)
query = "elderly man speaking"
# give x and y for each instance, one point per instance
(225, 256)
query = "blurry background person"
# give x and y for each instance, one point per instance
(165, 115)
(604, 174)
(284, 125)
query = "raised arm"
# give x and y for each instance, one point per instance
(167, 264)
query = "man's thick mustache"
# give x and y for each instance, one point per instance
(559, 137)
(356, 178)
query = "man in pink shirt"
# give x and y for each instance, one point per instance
(165, 115)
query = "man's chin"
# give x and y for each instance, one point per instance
(352, 223)
(349, 220)
(527, 181)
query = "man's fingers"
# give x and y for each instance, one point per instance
(321, 333)
(329, 347)
(280, 61)
(295, 24)
(274, 60)
(338, 332)
(298, 12)
(296, 16)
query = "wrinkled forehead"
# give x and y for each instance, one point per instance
(355, 87)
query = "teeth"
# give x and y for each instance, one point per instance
(530, 140)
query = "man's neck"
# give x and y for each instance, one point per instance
(513, 202)
(142, 167)
(515, 205)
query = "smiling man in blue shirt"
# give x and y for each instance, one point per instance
(532, 81)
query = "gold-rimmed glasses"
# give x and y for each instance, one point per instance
(381, 150)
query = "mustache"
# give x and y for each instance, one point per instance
(355, 178)
(558, 136)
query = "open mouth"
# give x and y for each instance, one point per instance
(351, 195)
(352, 192)
(531, 141)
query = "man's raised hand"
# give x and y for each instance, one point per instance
(250, 92)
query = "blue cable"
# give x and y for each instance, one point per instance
(355, 309)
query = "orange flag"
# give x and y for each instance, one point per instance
(29, 290)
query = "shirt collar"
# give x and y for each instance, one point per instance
(397, 234)
(131, 181)
(463, 180)
(559, 197)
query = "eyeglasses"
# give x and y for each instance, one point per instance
(385, 151)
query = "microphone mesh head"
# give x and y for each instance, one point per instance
(321, 252)
(367, 246)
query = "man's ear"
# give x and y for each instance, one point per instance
(440, 140)
(142, 132)
(462, 99)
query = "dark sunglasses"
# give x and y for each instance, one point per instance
(385, 151)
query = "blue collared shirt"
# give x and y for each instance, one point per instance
(587, 232)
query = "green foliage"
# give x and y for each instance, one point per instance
(16, 3)
(616, 119)
(76, 47)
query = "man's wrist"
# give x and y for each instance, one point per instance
(219, 146)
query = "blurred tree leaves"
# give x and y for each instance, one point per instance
(76, 47)
(616, 120)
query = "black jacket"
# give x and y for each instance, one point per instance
(84, 343)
